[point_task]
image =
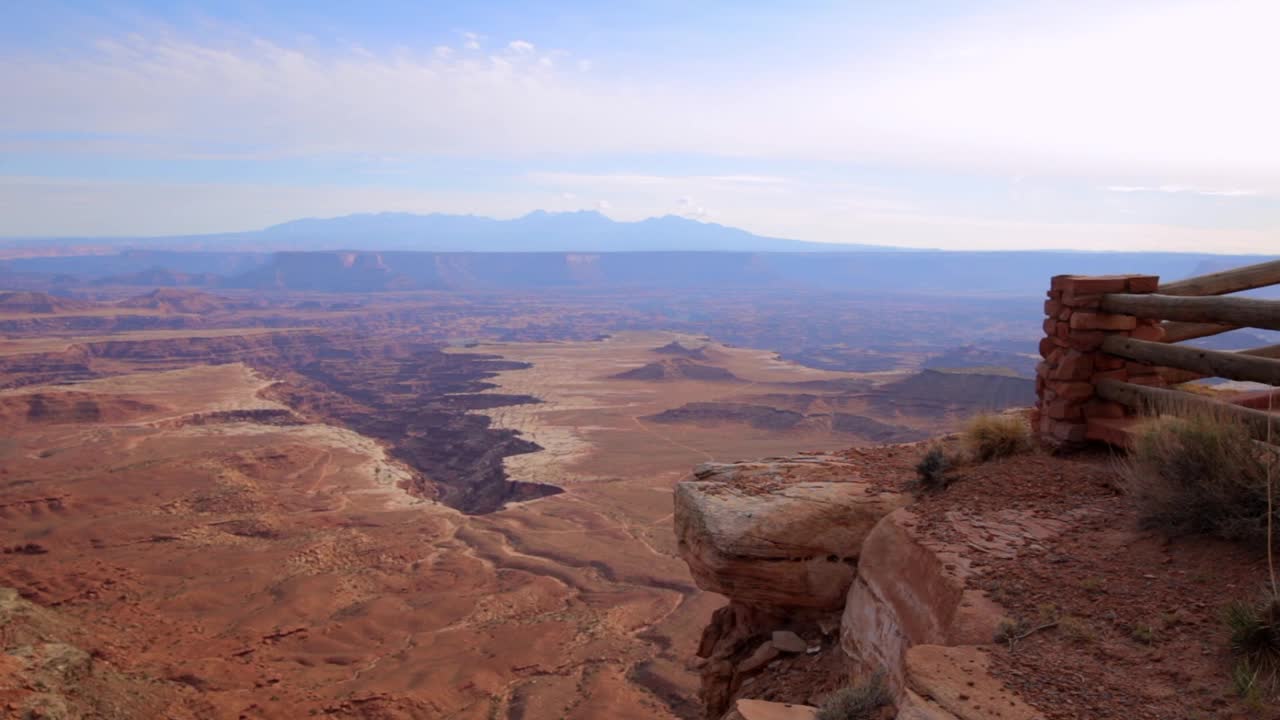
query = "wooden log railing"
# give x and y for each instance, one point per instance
(1111, 354)
(1240, 312)
(1249, 277)
(1262, 425)
(1221, 283)
(1208, 363)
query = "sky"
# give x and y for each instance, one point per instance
(963, 125)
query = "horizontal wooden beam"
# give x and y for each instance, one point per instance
(1210, 363)
(1228, 281)
(1143, 399)
(1245, 312)
(1174, 376)
(1179, 331)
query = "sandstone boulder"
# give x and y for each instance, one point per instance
(782, 533)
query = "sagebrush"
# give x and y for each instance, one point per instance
(1255, 644)
(990, 436)
(856, 702)
(1200, 473)
(931, 471)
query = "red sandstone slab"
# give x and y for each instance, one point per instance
(1102, 321)
(1144, 283)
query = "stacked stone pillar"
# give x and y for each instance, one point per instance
(1075, 328)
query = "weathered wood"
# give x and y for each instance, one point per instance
(1245, 312)
(1211, 363)
(1261, 425)
(1228, 281)
(1174, 376)
(1179, 331)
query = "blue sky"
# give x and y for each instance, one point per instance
(1136, 125)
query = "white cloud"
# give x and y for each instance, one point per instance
(1131, 97)
(603, 205)
(1184, 189)
(1089, 90)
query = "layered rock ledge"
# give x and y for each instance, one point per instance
(778, 532)
(811, 544)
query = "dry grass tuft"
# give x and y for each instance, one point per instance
(1200, 473)
(1255, 645)
(857, 702)
(990, 436)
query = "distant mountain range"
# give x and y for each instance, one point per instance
(539, 231)
(924, 272)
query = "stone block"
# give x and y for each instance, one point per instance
(1080, 301)
(1150, 333)
(1092, 284)
(1104, 409)
(1120, 375)
(1046, 346)
(1058, 283)
(1071, 390)
(1102, 321)
(1050, 326)
(1062, 329)
(1143, 283)
(1073, 365)
(1063, 409)
(1108, 362)
(1052, 307)
(1086, 339)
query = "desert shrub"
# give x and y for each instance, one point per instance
(989, 436)
(931, 471)
(1255, 644)
(1200, 474)
(856, 702)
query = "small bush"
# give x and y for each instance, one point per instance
(1255, 644)
(1011, 631)
(990, 436)
(857, 702)
(931, 471)
(1200, 474)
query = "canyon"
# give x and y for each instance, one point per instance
(413, 505)
(564, 503)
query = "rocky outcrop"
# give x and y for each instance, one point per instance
(780, 533)
(781, 539)
(792, 541)
(912, 589)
